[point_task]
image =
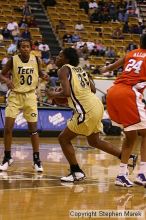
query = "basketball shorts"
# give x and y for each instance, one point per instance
(91, 124)
(125, 107)
(25, 102)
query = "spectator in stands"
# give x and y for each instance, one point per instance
(92, 6)
(35, 50)
(90, 45)
(100, 48)
(83, 4)
(67, 38)
(84, 52)
(6, 33)
(16, 34)
(12, 48)
(112, 11)
(131, 46)
(135, 29)
(117, 34)
(31, 22)
(12, 25)
(110, 52)
(75, 37)
(45, 52)
(23, 23)
(120, 52)
(26, 34)
(60, 26)
(52, 69)
(79, 26)
(26, 10)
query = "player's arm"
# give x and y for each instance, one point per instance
(8, 66)
(63, 74)
(42, 75)
(113, 66)
(92, 84)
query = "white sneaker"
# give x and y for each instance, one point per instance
(140, 179)
(123, 181)
(73, 176)
(38, 166)
(5, 164)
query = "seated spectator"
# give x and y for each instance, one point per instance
(12, 25)
(84, 52)
(92, 6)
(79, 26)
(136, 29)
(112, 11)
(117, 34)
(60, 26)
(6, 33)
(23, 23)
(45, 51)
(31, 22)
(120, 53)
(131, 46)
(16, 34)
(67, 38)
(100, 48)
(110, 52)
(90, 45)
(52, 71)
(75, 38)
(12, 48)
(26, 34)
(83, 4)
(35, 50)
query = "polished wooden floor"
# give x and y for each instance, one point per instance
(25, 195)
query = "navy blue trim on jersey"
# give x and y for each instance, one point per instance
(79, 108)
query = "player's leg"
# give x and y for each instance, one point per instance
(127, 147)
(8, 128)
(35, 145)
(31, 115)
(11, 112)
(76, 173)
(141, 177)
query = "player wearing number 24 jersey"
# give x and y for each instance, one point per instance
(125, 105)
(25, 70)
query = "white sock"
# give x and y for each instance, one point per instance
(122, 169)
(142, 168)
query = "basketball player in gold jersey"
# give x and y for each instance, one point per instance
(25, 69)
(88, 111)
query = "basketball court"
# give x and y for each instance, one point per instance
(25, 194)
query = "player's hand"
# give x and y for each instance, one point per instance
(9, 84)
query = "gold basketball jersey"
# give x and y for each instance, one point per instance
(25, 75)
(82, 100)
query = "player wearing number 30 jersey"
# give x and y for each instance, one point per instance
(25, 70)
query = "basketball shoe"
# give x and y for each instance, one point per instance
(140, 179)
(6, 163)
(123, 181)
(74, 176)
(38, 166)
